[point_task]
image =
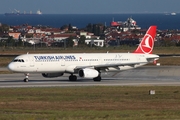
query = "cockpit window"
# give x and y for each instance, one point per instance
(15, 60)
(18, 60)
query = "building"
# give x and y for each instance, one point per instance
(15, 35)
(96, 42)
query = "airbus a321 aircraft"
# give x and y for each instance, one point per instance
(85, 65)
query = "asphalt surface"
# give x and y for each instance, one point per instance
(143, 76)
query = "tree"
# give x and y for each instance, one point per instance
(98, 29)
(95, 29)
(2, 43)
(64, 27)
(89, 28)
(20, 43)
(81, 41)
(69, 27)
(4, 28)
(10, 41)
(167, 43)
(70, 42)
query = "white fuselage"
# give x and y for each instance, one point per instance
(68, 63)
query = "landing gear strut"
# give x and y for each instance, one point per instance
(72, 77)
(26, 77)
(98, 78)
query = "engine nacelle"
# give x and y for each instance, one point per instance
(51, 75)
(88, 73)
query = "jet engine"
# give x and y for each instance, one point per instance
(51, 75)
(88, 73)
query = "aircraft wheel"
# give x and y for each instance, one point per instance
(72, 78)
(97, 78)
(26, 79)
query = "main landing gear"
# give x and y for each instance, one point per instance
(97, 79)
(72, 77)
(26, 79)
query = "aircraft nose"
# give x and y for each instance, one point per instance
(11, 67)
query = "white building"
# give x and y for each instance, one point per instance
(96, 42)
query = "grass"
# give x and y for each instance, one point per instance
(5, 72)
(175, 61)
(79, 103)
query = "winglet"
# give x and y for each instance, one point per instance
(147, 43)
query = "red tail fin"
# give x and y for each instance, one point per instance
(147, 43)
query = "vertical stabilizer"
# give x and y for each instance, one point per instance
(147, 43)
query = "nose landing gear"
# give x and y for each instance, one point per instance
(26, 79)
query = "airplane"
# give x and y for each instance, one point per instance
(86, 65)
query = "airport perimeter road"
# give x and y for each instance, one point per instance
(143, 76)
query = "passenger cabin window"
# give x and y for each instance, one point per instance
(18, 60)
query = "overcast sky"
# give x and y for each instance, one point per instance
(91, 6)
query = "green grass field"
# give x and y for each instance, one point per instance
(87, 103)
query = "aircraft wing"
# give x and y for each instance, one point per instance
(104, 66)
